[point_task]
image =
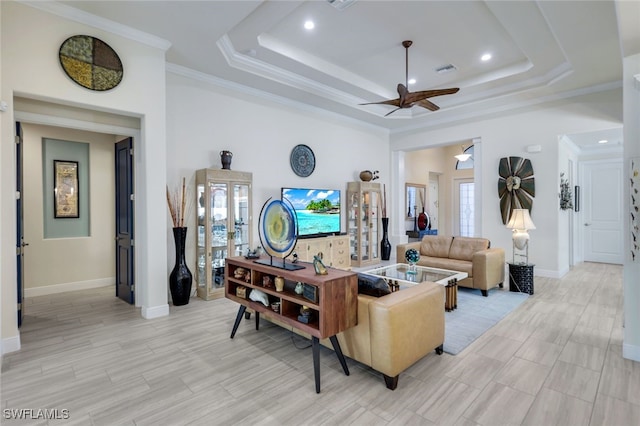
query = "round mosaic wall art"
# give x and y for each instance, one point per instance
(90, 62)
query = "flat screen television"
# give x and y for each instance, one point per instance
(317, 210)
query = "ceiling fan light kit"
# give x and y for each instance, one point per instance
(409, 99)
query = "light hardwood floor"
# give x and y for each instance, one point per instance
(556, 360)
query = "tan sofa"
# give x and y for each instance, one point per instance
(396, 330)
(484, 265)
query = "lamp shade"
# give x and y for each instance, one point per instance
(521, 220)
(462, 157)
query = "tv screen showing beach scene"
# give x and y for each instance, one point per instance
(317, 210)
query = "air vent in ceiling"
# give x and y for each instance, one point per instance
(446, 68)
(341, 4)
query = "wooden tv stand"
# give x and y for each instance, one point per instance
(332, 300)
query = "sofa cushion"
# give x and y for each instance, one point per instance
(372, 285)
(435, 245)
(450, 264)
(463, 248)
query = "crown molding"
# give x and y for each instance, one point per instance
(270, 97)
(82, 17)
(507, 106)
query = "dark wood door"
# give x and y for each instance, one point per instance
(20, 243)
(125, 286)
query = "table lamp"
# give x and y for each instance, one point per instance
(521, 223)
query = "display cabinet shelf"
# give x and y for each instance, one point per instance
(363, 222)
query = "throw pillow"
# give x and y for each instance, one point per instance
(372, 285)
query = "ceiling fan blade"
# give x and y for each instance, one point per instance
(428, 105)
(424, 94)
(408, 99)
(394, 102)
(391, 112)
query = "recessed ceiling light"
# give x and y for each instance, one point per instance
(309, 25)
(412, 81)
(603, 141)
(485, 57)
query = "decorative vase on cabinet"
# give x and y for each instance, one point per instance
(363, 223)
(224, 225)
(385, 245)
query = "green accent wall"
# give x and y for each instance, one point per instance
(53, 149)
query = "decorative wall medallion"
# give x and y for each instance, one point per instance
(516, 185)
(303, 162)
(90, 62)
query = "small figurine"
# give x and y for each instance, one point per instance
(299, 288)
(319, 266)
(267, 282)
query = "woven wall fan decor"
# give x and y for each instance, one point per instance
(90, 62)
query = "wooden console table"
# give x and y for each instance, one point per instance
(332, 301)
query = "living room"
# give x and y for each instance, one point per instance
(186, 118)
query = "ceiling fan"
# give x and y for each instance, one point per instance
(408, 99)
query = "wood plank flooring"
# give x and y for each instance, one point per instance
(556, 360)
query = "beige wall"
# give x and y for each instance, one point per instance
(69, 263)
(441, 161)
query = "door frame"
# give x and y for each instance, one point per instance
(70, 123)
(580, 218)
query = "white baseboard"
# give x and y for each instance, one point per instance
(155, 311)
(631, 352)
(11, 344)
(548, 273)
(61, 288)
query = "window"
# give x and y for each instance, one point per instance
(463, 165)
(466, 210)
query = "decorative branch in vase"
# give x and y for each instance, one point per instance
(180, 279)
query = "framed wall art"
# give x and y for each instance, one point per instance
(66, 195)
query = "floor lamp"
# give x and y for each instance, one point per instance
(521, 223)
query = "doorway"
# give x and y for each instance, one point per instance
(98, 268)
(602, 210)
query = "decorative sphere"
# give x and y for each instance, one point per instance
(412, 256)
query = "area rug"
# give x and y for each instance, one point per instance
(477, 314)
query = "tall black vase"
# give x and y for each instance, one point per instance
(180, 278)
(385, 245)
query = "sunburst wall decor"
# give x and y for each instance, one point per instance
(516, 185)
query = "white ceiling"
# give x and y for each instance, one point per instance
(541, 50)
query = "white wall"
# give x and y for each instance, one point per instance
(30, 69)
(69, 263)
(509, 135)
(202, 120)
(631, 274)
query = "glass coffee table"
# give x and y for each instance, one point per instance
(401, 275)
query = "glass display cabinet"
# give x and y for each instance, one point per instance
(363, 222)
(223, 200)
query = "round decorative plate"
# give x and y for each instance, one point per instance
(303, 162)
(278, 228)
(90, 62)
